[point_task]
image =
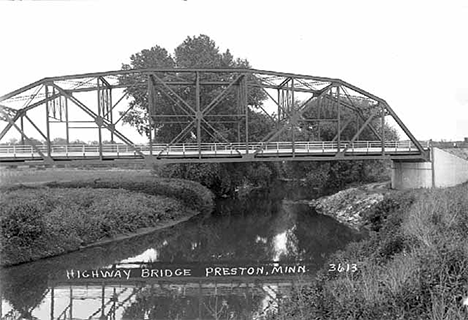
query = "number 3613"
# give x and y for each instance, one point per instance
(342, 267)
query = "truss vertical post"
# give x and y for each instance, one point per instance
(60, 107)
(200, 297)
(22, 128)
(382, 134)
(239, 112)
(103, 305)
(150, 112)
(71, 302)
(49, 149)
(52, 302)
(199, 113)
(358, 123)
(319, 136)
(53, 104)
(111, 112)
(293, 118)
(279, 110)
(67, 125)
(114, 302)
(245, 104)
(339, 117)
(99, 118)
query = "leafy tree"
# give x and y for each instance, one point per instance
(59, 141)
(194, 52)
(335, 175)
(198, 52)
(156, 57)
(327, 130)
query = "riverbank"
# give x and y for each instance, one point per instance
(352, 206)
(414, 265)
(40, 220)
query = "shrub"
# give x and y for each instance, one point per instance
(192, 194)
(39, 222)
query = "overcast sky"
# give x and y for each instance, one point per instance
(413, 54)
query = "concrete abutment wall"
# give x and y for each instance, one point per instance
(444, 170)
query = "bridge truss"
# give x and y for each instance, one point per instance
(204, 105)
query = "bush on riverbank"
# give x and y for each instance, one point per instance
(40, 222)
(328, 177)
(61, 216)
(192, 194)
(414, 267)
(222, 178)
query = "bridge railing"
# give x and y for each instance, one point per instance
(190, 149)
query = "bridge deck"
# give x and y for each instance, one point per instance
(212, 151)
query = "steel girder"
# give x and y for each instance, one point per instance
(294, 104)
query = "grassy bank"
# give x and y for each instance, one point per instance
(63, 215)
(414, 266)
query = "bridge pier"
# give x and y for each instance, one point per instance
(444, 170)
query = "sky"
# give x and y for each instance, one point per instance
(413, 54)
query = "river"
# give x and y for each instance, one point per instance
(223, 251)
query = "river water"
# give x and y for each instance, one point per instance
(229, 258)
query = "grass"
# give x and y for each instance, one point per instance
(77, 208)
(414, 266)
(28, 176)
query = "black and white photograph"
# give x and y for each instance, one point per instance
(233, 160)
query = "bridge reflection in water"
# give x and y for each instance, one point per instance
(202, 298)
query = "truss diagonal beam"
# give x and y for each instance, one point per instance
(98, 119)
(178, 137)
(17, 115)
(278, 104)
(220, 96)
(206, 123)
(342, 129)
(41, 102)
(405, 129)
(173, 92)
(35, 127)
(46, 158)
(368, 121)
(289, 124)
(358, 111)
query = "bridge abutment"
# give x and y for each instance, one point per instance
(444, 170)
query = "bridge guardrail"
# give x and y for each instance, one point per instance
(186, 149)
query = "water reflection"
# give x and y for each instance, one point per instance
(166, 300)
(256, 229)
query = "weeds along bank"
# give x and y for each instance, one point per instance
(414, 265)
(58, 217)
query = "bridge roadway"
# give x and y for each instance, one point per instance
(213, 152)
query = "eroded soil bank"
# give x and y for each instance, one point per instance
(351, 206)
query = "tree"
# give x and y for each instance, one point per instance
(156, 57)
(194, 52)
(59, 141)
(334, 175)
(197, 52)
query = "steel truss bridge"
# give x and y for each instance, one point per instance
(203, 104)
